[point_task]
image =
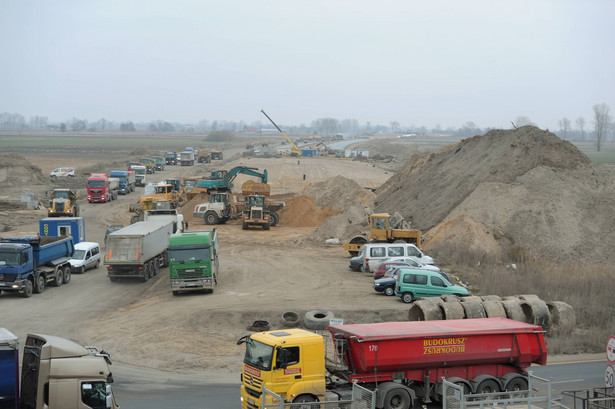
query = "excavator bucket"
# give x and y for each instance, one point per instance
(251, 187)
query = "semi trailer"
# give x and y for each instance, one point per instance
(138, 250)
(126, 180)
(401, 361)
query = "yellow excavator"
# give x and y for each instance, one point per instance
(63, 203)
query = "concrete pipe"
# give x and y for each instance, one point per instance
(450, 298)
(494, 308)
(491, 297)
(471, 298)
(563, 319)
(424, 309)
(537, 313)
(513, 309)
(529, 297)
(473, 309)
(452, 310)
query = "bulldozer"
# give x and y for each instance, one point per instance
(383, 230)
(62, 202)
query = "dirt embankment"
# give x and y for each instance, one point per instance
(524, 187)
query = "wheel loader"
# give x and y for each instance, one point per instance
(62, 202)
(382, 230)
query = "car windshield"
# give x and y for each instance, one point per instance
(78, 254)
(258, 355)
(96, 183)
(60, 195)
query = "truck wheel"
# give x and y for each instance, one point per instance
(59, 280)
(152, 266)
(273, 219)
(175, 292)
(145, 271)
(66, 275)
(306, 399)
(41, 282)
(244, 226)
(28, 289)
(397, 398)
(211, 218)
(113, 279)
(266, 226)
(487, 386)
(76, 210)
(156, 268)
(407, 298)
(389, 291)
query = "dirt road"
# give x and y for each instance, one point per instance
(263, 274)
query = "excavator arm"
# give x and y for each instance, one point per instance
(294, 150)
(230, 176)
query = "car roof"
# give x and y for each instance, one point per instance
(84, 245)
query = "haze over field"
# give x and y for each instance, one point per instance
(425, 63)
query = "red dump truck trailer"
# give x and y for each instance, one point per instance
(401, 361)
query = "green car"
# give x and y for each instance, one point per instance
(415, 283)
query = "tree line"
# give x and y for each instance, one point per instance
(602, 127)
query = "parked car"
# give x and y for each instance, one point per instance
(85, 256)
(379, 272)
(356, 263)
(376, 253)
(386, 266)
(414, 283)
(386, 284)
(62, 172)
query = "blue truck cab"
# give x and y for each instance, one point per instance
(29, 263)
(127, 180)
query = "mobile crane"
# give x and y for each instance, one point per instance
(294, 149)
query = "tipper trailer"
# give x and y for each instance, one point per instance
(401, 361)
(138, 250)
(28, 263)
(56, 373)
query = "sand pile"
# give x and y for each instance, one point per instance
(339, 193)
(524, 187)
(302, 211)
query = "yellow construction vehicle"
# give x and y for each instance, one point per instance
(148, 203)
(381, 231)
(63, 203)
(294, 149)
(165, 191)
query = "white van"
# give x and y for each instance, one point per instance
(376, 253)
(85, 256)
(62, 172)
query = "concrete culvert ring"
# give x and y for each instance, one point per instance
(562, 315)
(537, 313)
(317, 319)
(473, 309)
(494, 308)
(491, 297)
(425, 310)
(513, 309)
(290, 319)
(452, 310)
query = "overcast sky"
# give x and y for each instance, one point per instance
(431, 62)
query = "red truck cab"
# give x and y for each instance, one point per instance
(98, 188)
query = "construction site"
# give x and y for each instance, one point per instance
(499, 199)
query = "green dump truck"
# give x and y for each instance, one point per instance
(193, 261)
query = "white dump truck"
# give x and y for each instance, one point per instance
(138, 250)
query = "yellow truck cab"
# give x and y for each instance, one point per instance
(291, 362)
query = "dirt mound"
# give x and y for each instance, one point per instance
(339, 193)
(188, 208)
(301, 211)
(15, 170)
(534, 189)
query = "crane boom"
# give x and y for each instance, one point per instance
(294, 150)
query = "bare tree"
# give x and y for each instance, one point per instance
(564, 126)
(602, 120)
(394, 126)
(523, 121)
(580, 122)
